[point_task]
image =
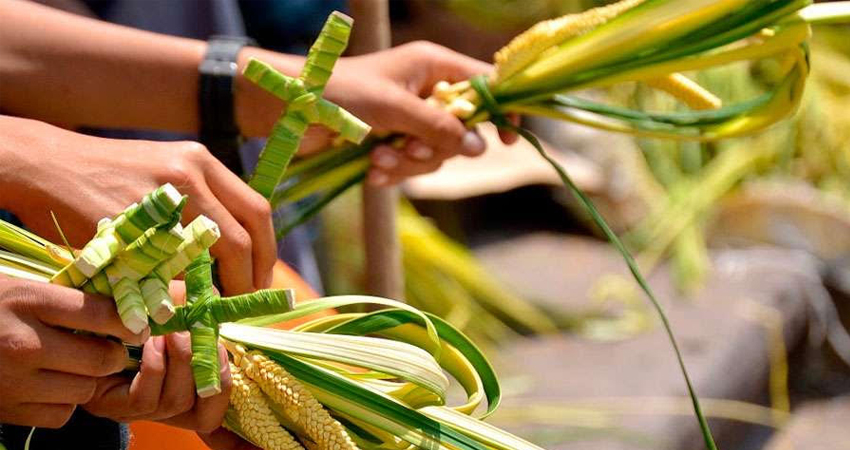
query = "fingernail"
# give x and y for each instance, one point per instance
(473, 144)
(378, 178)
(386, 160)
(145, 334)
(421, 152)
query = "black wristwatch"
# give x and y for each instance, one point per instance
(219, 132)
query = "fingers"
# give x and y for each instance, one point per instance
(72, 309)
(208, 413)
(56, 388)
(233, 250)
(44, 415)
(178, 395)
(119, 398)
(221, 439)
(164, 389)
(243, 217)
(177, 291)
(509, 137)
(78, 354)
(253, 212)
(436, 128)
(146, 389)
(390, 166)
(443, 64)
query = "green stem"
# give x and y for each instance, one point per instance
(633, 268)
(308, 186)
(157, 299)
(304, 214)
(327, 160)
(198, 236)
(279, 149)
(137, 261)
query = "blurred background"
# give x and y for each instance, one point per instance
(747, 241)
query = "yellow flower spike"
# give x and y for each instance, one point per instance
(687, 91)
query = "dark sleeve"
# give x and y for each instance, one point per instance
(82, 431)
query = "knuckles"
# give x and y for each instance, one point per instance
(20, 296)
(55, 417)
(108, 358)
(143, 406)
(449, 128)
(178, 172)
(238, 240)
(260, 207)
(207, 425)
(179, 348)
(183, 167)
(173, 405)
(426, 49)
(194, 151)
(85, 392)
(20, 346)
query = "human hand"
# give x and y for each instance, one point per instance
(223, 439)
(83, 179)
(163, 390)
(45, 369)
(386, 90)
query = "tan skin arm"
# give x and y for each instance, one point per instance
(75, 71)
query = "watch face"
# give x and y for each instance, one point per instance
(218, 68)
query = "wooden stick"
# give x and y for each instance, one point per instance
(384, 276)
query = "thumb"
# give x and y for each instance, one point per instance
(438, 129)
(443, 64)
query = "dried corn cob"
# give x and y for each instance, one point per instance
(253, 416)
(296, 403)
(544, 35)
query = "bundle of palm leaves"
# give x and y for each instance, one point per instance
(357, 380)
(693, 180)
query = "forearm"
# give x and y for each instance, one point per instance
(75, 71)
(21, 137)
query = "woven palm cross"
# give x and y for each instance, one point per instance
(305, 105)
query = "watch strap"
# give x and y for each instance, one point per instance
(218, 131)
